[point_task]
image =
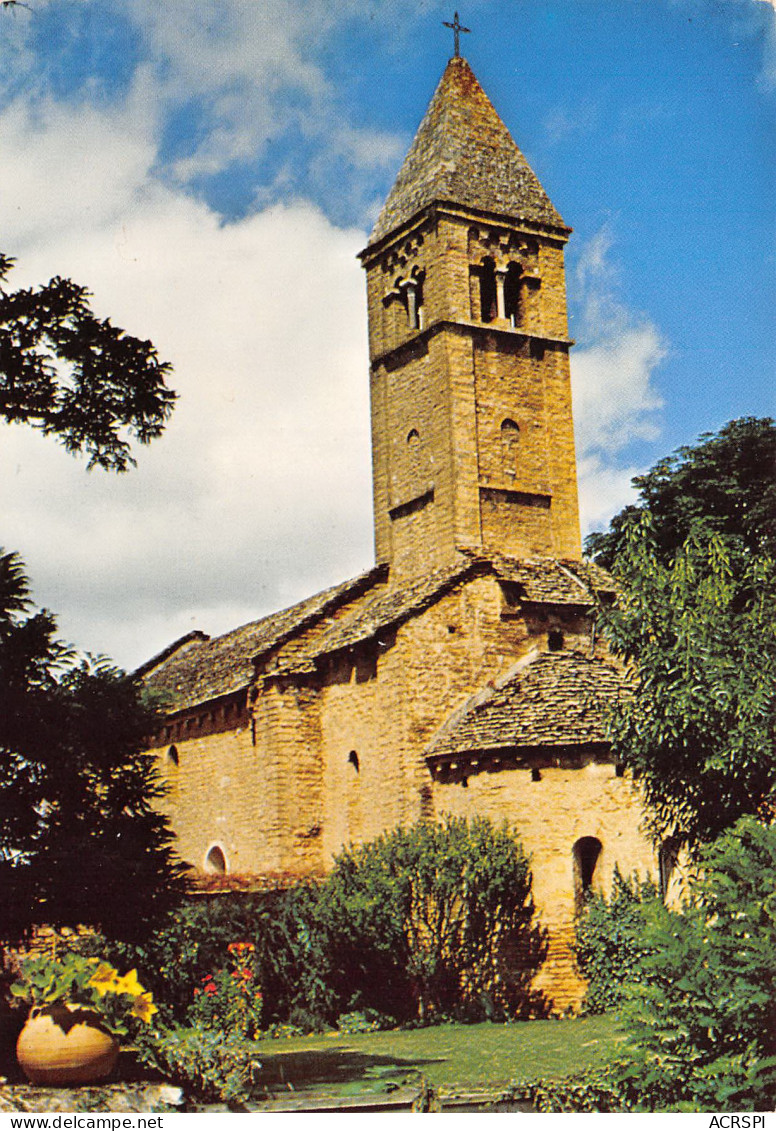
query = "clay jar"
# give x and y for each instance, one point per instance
(61, 1044)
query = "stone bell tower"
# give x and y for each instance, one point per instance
(472, 435)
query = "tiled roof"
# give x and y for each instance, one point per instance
(207, 669)
(549, 699)
(554, 581)
(464, 154)
(379, 611)
(342, 617)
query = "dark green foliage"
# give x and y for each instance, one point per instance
(726, 483)
(214, 1064)
(80, 840)
(611, 943)
(425, 922)
(76, 376)
(698, 729)
(701, 1018)
(190, 941)
(438, 915)
(696, 565)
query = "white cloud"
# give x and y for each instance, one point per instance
(612, 370)
(252, 67)
(259, 492)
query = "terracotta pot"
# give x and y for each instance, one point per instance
(61, 1044)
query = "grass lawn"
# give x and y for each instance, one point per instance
(453, 1057)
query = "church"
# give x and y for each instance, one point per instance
(461, 674)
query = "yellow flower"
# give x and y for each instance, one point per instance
(129, 985)
(143, 1007)
(104, 979)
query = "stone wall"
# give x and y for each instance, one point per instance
(551, 816)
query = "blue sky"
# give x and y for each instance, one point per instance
(211, 169)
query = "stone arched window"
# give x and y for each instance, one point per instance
(215, 861)
(512, 293)
(172, 756)
(488, 303)
(411, 292)
(353, 760)
(414, 456)
(510, 440)
(585, 853)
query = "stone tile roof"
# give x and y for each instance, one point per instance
(342, 617)
(206, 669)
(553, 581)
(548, 699)
(381, 610)
(464, 154)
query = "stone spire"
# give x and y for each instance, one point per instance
(464, 154)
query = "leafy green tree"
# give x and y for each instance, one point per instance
(724, 485)
(695, 624)
(78, 377)
(80, 839)
(699, 635)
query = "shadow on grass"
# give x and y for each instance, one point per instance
(337, 1069)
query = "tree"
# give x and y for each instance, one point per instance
(695, 624)
(80, 839)
(76, 376)
(725, 485)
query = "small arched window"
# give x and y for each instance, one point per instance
(586, 852)
(353, 760)
(172, 756)
(510, 438)
(413, 455)
(215, 861)
(488, 304)
(512, 293)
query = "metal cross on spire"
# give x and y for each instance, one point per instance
(457, 27)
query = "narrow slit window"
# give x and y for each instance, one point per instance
(510, 440)
(512, 294)
(488, 305)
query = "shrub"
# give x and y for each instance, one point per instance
(425, 922)
(215, 1065)
(599, 1090)
(230, 999)
(699, 1003)
(701, 1017)
(434, 920)
(188, 943)
(611, 943)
